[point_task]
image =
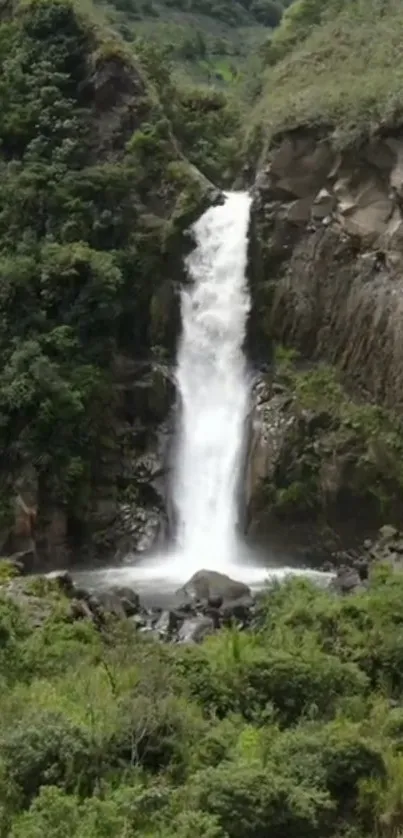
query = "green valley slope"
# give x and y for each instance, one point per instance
(334, 64)
(210, 41)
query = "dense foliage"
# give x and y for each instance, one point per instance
(206, 121)
(292, 728)
(94, 190)
(329, 426)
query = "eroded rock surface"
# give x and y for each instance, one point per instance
(327, 257)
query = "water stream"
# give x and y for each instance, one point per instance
(214, 388)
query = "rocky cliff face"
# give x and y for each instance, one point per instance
(326, 276)
(327, 272)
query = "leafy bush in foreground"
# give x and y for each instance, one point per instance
(293, 728)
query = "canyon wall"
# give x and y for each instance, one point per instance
(326, 277)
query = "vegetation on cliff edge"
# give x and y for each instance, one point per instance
(337, 64)
(341, 457)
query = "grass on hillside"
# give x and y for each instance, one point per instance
(347, 74)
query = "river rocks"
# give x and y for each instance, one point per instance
(194, 630)
(239, 610)
(208, 584)
(347, 581)
(129, 599)
(39, 596)
(63, 580)
(352, 568)
(386, 548)
(167, 623)
(110, 603)
(388, 535)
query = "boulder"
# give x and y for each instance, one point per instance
(195, 629)
(387, 533)
(168, 622)
(239, 610)
(129, 599)
(111, 603)
(63, 580)
(206, 584)
(80, 610)
(215, 601)
(139, 620)
(347, 581)
(323, 205)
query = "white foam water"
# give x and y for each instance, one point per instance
(214, 390)
(158, 579)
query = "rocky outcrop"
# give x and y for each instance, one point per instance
(129, 510)
(323, 470)
(208, 585)
(352, 569)
(326, 260)
(327, 257)
(39, 596)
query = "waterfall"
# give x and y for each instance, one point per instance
(213, 386)
(214, 392)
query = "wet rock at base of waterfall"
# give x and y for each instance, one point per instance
(139, 620)
(63, 580)
(215, 601)
(387, 548)
(195, 629)
(239, 610)
(347, 581)
(361, 565)
(109, 603)
(81, 610)
(129, 599)
(387, 533)
(206, 584)
(167, 623)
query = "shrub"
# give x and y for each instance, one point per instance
(49, 750)
(250, 800)
(334, 757)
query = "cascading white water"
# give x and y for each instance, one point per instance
(213, 386)
(214, 389)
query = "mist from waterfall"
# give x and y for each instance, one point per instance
(213, 387)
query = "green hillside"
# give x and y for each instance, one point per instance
(337, 63)
(210, 40)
